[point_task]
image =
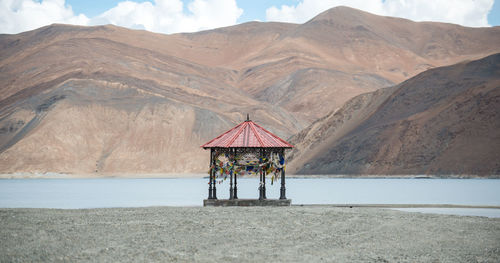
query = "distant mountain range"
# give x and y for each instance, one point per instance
(113, 100)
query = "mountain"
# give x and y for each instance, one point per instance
(443, 121)
(108, 99)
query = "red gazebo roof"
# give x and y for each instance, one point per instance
(247, 134)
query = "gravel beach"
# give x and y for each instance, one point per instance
(237, 234)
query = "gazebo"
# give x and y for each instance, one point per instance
(246, 149)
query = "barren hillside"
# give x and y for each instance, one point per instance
(109, 99)
(444, 121)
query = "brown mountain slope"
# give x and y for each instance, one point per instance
(347, 40)
(109, 99)
(119, 100)
(443, 121)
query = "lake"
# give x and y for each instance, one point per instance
(112, 192)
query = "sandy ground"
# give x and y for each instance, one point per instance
(236, 234)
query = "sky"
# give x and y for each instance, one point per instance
(173, 16)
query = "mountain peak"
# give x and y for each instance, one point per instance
(340, 13)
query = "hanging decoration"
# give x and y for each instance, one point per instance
(246, 163)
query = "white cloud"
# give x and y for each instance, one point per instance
(472, 13)
(22, 15)
(163, 16)
(167, 16)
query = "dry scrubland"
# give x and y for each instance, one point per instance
(291, 234)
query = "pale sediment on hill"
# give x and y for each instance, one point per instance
(291, 234)
(50, 175)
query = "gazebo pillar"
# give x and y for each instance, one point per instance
(261, 197)
(210, 196)
(264, 185)
(214, 189)
(214, 182)
(261, 173)
(283, 188)
(265, 155)
(235, 189)
(231, 189)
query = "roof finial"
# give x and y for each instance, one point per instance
(248, 117)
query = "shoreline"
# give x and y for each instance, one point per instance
(52, 175)
(101, 175)
(390, 206)
(378, 206)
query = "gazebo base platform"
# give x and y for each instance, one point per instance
(247, 202)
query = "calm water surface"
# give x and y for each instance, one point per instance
(94, 193)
